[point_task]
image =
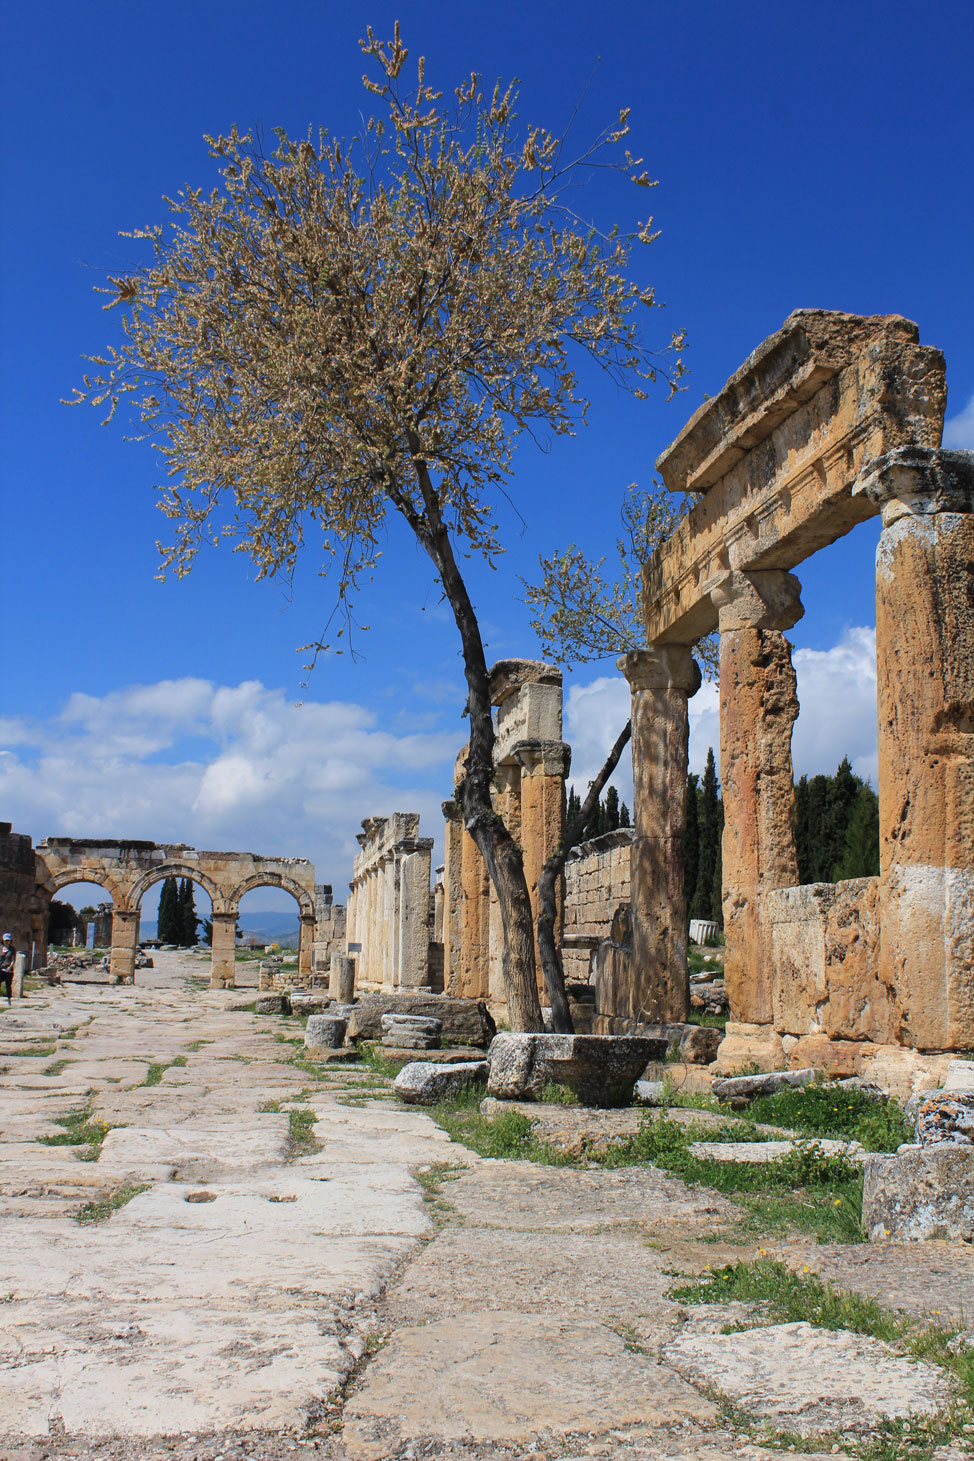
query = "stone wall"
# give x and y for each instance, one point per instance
(330, 934)
(597, 883)
(389, 916)
(17, 887)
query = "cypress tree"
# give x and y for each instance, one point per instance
(709, 840)
(169, 927)
(574, 806)
(691, 842)
(803, 850)
(624, 820)
(843, 791)
(187, 914)
(818, 809)
(611, 809)
(717, 884)
(860, 857)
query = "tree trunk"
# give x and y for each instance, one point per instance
(500, 852)
(554, 972)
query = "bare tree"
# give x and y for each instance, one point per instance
(337, 330)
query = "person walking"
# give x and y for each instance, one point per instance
(7, 957)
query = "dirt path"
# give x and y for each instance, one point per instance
(253, 1298)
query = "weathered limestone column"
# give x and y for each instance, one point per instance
(758, 708)
(306, 944)
(341, 979)
(20, 969)
(224, 949)
(544, 769)
(453, 835)
(473, 977)
(925, 687)
(506, 797)
(413, 926)
(125, 939)
(661, 680)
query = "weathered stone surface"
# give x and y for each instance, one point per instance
(417, 1024)
(959, 1077)
(745, 1045)
(464, 1021)
(904, 1073)
(807, 1380)
(927, 1193)
(946, 1117)
(771, 1151)
(272, 1004)
(764, 1085)
(601, 1070)
(309, 1004)
(424, 1082)
(324, 1032)
(409, 1040)
(388, 920)
(699, 1044)
(598, 881)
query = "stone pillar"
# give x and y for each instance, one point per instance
(473, 976)
(453, 835)
(661, 680)
(506, 798)
(20, 969)
(306, 944)
(925, 691)
(125, 939)
(758, 708)
(544, 768)
(224, 950)
(412, 928)
(341, 981)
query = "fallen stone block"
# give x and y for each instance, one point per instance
(419, 1024)
(765, 1084)
(324, 1032)
(409, 1040)
(272, 1004)
(959, 1077)
(924, 1193)
(771, 1151)
(464, 1021)
(650, 1092)
(423, 1082)
(309, 1004)
(600, 1069)
(698, 1046)
(946, 1118)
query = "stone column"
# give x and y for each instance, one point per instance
(925, 691)
(306, 944)
(341, 980)
(20, 969)
(412, 927)
(224, 948)
(758, 708)
(473, 977)
(661, 680)
(506, 798)
(453, 835)
(544, 768)
(125, 939)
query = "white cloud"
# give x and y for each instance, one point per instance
(237, 767)
(959, 429)
(836, 693)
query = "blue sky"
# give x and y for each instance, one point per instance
(806, 156)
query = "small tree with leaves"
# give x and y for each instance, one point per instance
(338, 331)
(169, 927)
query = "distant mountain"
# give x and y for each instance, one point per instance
(271, 924)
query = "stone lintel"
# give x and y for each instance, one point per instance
(785, 370)
(543, 758)
(415, 844)
(768, 599)
(509, 675)
(914, 481)
(661, 667)
(778, 451)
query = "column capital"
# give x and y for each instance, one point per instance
(451, 811)
(661, 667)
(543, 758)
(915, 481)
(762, 599)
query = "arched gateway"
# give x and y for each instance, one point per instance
(127, 869)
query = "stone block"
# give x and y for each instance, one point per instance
(699, 1045)
(601, 1070)
(464, 1021)
(946, 1118)
(838, 1057)
(309, 1004)
(746, 1044)
(423, 1082)
(324, 1032)
(959, 1076)
(397, 1039)
(418, 1024)
(751, 1086)
(272, 1004)
(904, 1073)
(922, 1194)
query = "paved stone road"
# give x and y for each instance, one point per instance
(231, 1308)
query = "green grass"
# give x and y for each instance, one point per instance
(100, 1212)
(158, 1069)
(301, 1140)
(785, 1297)
(79, 1129)
(373, 1059)
(38, 1050)
(197, 1045)
(431, 1180)
(804, 1191)
(711, 1022)
(57, 1067)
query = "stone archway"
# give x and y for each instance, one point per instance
(306, 911)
